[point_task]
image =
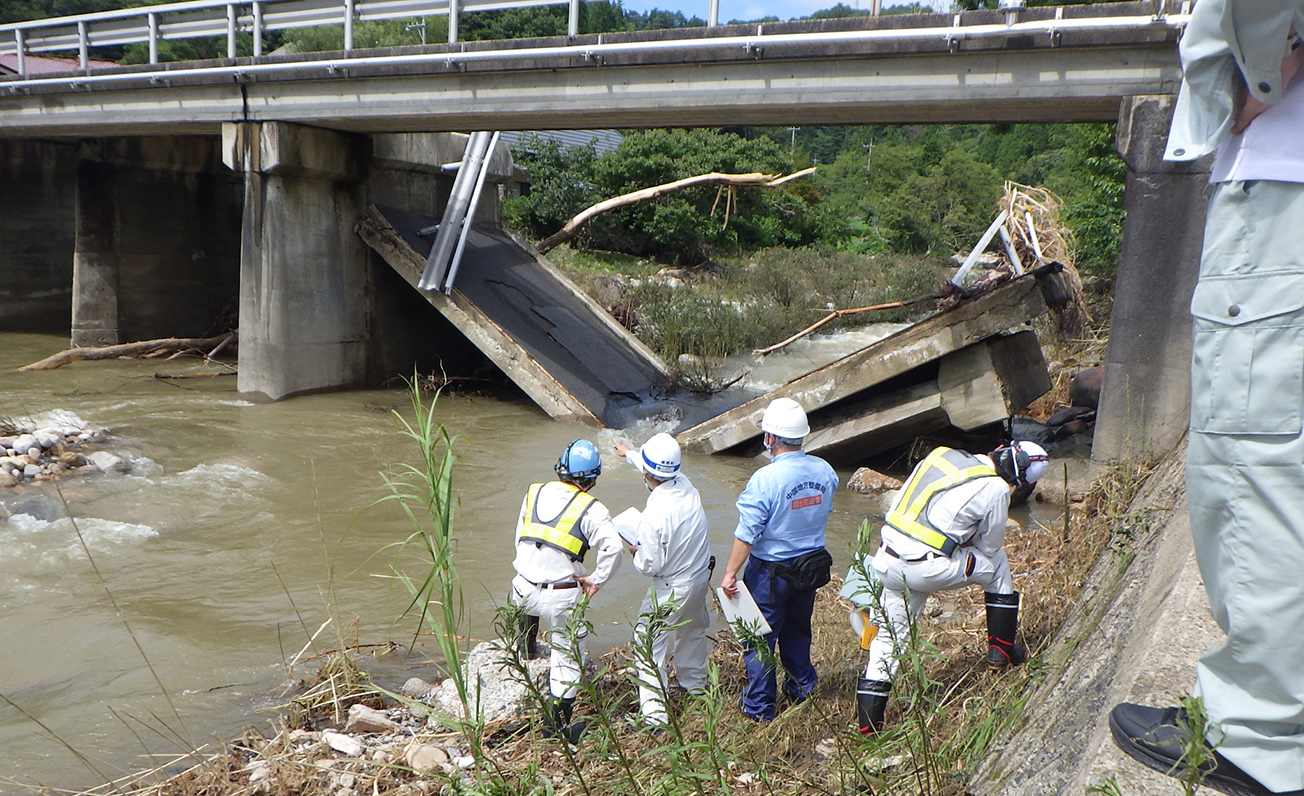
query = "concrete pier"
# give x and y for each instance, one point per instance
(1145, 403)
(36, 234)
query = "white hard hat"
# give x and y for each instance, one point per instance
(660, 457)
(784, 418)
(1021, 463)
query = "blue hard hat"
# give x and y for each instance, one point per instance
(580, 460)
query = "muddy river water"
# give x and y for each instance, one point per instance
(147, 613)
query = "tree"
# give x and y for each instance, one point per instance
(561, 185)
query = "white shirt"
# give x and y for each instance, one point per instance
(972, 513)
(672, 531)
(1269, 149)
(544, 564)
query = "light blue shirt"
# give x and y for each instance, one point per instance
(783, 510)
(1225, 36)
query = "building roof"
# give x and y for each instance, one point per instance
(603, 140)
(44, 64)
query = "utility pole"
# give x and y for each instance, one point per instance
(792, 146)
(421, 26)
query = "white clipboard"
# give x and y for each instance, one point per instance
(742, 610)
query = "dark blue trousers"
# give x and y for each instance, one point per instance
(788, 611)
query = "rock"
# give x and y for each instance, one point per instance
(1085, 388)
(72, 459)
(48, 439)
(416, 688)
(871, 482)
(304, 737)
(607, 289)
(498, 694)
(31, 471)
(424, 758)
(24, 443)
(365, 719)
(464, 762)
(33, 456)
(344, 744)
(110, 463)
(8, 479)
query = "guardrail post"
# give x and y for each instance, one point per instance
(573, 23)
(454, 6)
(713, 13)
(230, 31)
(349, 9)
(258, 29)
(153, 38)
(83, 45)
(20, 39)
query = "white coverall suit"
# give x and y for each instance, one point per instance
(545, 585)
(972, 513)
(674, 550)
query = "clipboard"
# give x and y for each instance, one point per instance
(626, 523)
(742, 610)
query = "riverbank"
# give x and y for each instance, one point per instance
(947, 708)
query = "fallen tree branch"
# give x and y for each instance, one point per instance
(136, 349)
(572, 227)
(835, 314)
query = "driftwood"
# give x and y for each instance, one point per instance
(572, 227)
(835, 314)
(138, 349)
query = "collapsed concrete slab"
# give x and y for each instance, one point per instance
(566, 352)
(960, 367)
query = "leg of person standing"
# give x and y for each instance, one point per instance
(1245, 475)
(690, 647)
(759, 695)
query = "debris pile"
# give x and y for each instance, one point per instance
(42, 454)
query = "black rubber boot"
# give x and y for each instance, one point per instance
(557, 724)
(527, 638)
(1002, 627)
(871, 704)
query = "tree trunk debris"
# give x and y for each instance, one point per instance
(572, 227)
(140, 349)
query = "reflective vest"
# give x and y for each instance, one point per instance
(940, 470)
(562, 533)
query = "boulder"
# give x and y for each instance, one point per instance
(366, 719)
(424, 758)
(871, 482)
(110, 463)
(1085, 388)
(416, 688)
(25, 443)
(490, 684)
(344, 744)
(8, 479)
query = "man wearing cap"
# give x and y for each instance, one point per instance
(781, 519)
(559, 523)
(945, 530)
(670, 545)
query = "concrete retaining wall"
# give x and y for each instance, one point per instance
(37, 181)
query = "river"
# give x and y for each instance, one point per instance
(149, 613)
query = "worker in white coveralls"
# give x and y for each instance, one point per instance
(1242, 97)
(559, 523)
(945, 530)
(670, 545)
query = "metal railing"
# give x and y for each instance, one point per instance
(231, 17)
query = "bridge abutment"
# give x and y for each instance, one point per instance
(304, 284)
(1145, 404)
(36, 234)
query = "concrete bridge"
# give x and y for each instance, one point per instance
(165, 192)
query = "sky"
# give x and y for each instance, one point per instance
(756, 9)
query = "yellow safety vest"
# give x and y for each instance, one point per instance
(940, 470)
(563, 533)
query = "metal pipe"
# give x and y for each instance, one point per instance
(350, 8)
(454, 8)
(435, 275)
(258, 29)
(153, 39)
(766, 41)
(230, 31)
(470, 214)
(20, 44)
(713, 13)
(573, 21)
(83, 45)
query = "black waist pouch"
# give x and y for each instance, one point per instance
(808, 571)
